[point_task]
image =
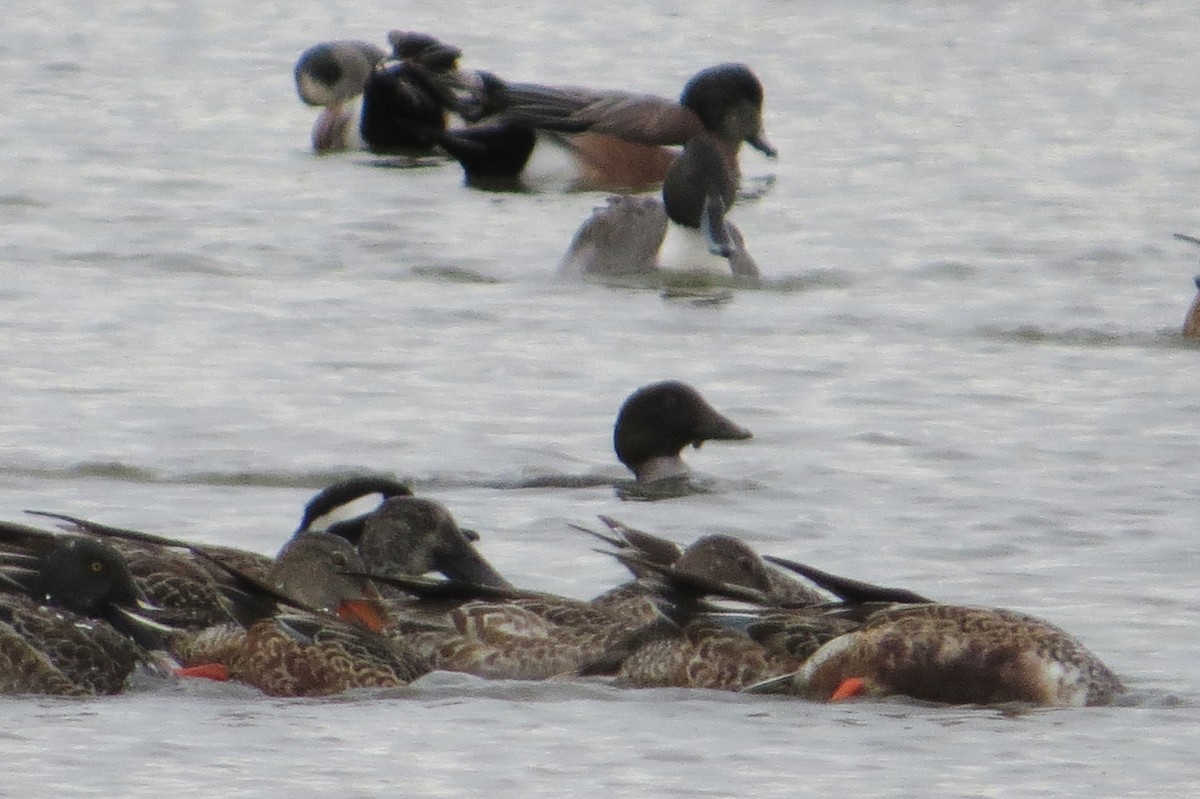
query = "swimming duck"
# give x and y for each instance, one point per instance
(715, 557)
(658, 420)
(957, 655)
(703, 650)
(192, 586)
(615, 140)
(904, 644)
(71, 619)
(687, 231)
(336, 646)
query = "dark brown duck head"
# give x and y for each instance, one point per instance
(657, 421)
(728, 99)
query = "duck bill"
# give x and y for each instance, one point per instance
(714, 227)
(469, 566)
(142, 629)
(773, 685)
(759, 142)
(720, 428)
(368, 613)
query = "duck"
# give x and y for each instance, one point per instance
(385, 102)
(404, 534)
(716, 557)
(333, 643)
(191, 586)
(903, 644)
(957, 654)
(331, 75)
(687, 231)
(708, 647)
(658, 420)
(72, 620)
(614, 140)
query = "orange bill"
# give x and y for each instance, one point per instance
(851, 686)
(363, 612)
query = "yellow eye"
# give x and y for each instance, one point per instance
(97, 566)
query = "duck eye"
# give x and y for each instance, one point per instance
(97, 566)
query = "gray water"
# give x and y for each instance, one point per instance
(963, 376)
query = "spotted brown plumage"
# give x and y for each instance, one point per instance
(960, 655)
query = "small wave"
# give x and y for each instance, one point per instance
(407, 161)
(453, 274)
(1088, 337)
(624, 488)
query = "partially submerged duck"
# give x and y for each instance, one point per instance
(658, 420)
(688, 231)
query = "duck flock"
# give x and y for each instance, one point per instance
(380, 599)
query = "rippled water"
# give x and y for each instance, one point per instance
(963, 376)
